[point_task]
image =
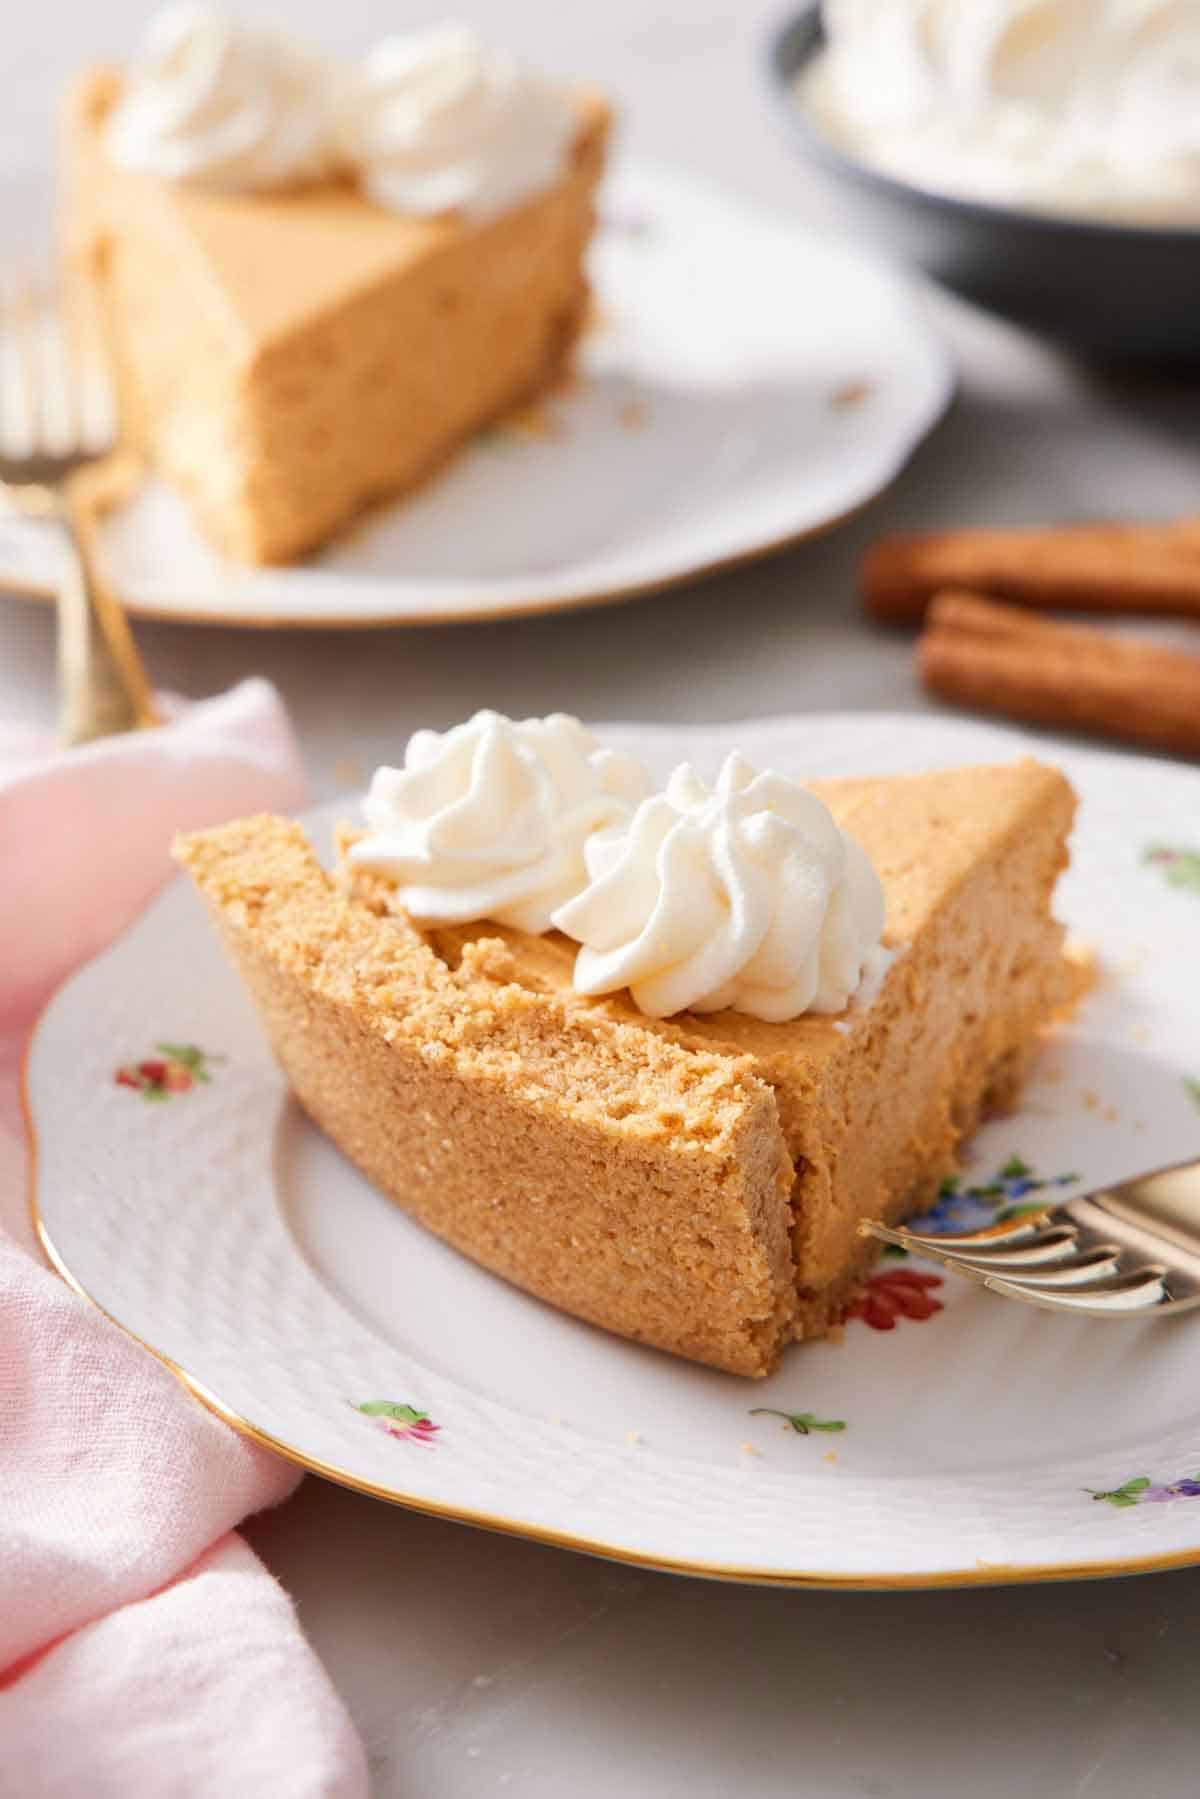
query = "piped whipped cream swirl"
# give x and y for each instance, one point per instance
(745, 895)
(232, 107)
(1090, 106)
(438, 121)
(489, 820)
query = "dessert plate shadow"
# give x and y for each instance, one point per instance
(745, 383)
(178, 1186)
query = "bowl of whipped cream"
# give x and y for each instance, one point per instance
(1041, 157)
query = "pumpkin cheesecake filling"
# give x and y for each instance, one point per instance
(287, 357)
(692, 1182)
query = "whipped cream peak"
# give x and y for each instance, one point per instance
(439, 121)
(231, 107)
(490, 819)
(1087, 106)
(745, 895)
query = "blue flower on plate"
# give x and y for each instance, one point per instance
(953, 1213)
(971, 1208)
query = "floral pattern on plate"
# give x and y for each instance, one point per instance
(803, 1423)
(974, 1207)
(174, 1068)
(1141, 1490)
(1180, 867)
(408, 1423)
(899, 1293)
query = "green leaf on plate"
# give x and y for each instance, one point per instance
(803, 1423)
(389, 1408)
(1124, 1495)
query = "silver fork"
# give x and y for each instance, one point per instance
(57, 466)
(1119, 1252)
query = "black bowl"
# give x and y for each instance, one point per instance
(1119, 293)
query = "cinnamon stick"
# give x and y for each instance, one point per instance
(1149, 569)
(996, 658)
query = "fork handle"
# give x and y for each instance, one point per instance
(102, 684)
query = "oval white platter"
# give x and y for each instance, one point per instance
(984, 1442)
(746, 382)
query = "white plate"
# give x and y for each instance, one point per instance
(221, 1228)
(747, 383)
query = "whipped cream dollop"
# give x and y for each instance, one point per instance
(1088, 106)
(489, 820)
(745, 895)
(231, 107)
(439, 121)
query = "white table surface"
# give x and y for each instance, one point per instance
(481, 1665)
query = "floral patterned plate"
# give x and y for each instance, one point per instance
(948, 1437)
(746, 381)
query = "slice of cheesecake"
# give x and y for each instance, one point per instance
(694, 1183)
(286, 359)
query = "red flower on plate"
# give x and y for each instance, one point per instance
(175, 1069)
(900, 1293)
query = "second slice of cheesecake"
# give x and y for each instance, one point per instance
(285, 359)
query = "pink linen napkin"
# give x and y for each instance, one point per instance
(144, 1649)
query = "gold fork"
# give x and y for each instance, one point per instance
(57, 465)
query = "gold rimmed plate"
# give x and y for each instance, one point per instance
(947, 1438)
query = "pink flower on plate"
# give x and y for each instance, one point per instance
(421, 1430)
(405, 1422)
